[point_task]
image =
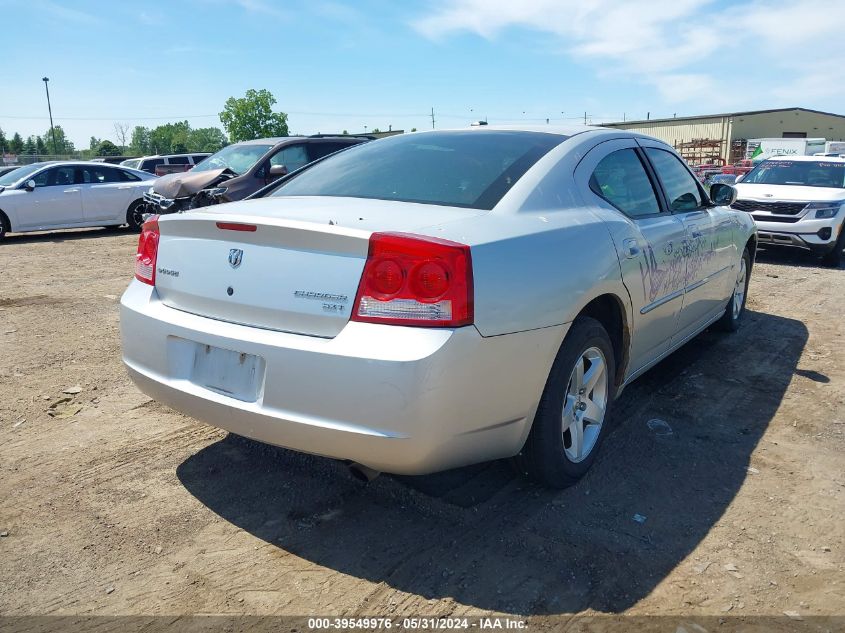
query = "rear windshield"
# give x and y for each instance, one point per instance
(808, 173)
(472, 168)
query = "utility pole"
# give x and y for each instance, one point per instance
(50, 110)
(432, 118)
(585, 118)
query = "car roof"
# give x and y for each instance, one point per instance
(168, 155)
(823, 159)
(91, 163)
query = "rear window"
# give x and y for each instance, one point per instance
(472, 168)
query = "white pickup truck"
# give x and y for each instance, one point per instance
(798, 201)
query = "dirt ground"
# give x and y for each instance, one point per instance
(111, 504)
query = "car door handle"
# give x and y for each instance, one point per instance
(631, 248)
(71, 190)
(125, 187)
(694, 231)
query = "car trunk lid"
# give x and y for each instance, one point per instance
(295, 269)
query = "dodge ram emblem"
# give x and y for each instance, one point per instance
(236, 256)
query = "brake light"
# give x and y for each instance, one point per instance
(145, 259)
(236, 226)
(415, 280)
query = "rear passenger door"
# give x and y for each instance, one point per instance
(708, 247)
(105, 193)
(618, 184)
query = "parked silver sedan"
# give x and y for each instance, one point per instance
(437, 299)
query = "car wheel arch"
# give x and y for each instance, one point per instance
(610, 310)
(5, 221)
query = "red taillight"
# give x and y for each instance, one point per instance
(236, 226)
(145, 259)
(415, 280)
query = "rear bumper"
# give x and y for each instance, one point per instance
(396, 399)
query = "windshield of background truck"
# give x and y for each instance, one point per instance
(238, 158)
(804, 173)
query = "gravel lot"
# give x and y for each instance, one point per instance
(113, 504)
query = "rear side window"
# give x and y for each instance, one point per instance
(150, 165)
(127, 176)
(318, 150)
(198, 159)
(681, 188)
(621, 179)
(472, 168)
(178, 160)
(99, 175)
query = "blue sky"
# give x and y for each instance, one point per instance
(345, 65)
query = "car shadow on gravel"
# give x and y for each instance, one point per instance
(787, 256)
(483, 536)
(64, 235)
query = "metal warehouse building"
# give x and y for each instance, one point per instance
(723, 137)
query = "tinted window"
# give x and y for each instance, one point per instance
(178, 160)
(808, 173)
(621, 179)
(472, 168)
(318, 150)
(100, 175)
(150, 165)
(293, 157)
(55, 177)
(198, 159)
(680, 186)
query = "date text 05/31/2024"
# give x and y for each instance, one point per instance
(420, 623)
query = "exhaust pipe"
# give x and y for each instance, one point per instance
(362, 473)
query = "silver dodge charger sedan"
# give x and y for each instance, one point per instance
(437, 299)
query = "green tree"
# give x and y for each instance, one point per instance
(16, 144)
(93, 142)
(107, 148)
(164, 138)
(139, 144)
(252, 117)
(206, 139)
(63, 145)
(413, 129)
(29, 147)
(4, 142)
(41, 147)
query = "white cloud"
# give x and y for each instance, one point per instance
(688, 50)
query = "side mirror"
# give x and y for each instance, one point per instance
(277, 171)
(722, 195)
(29, 185)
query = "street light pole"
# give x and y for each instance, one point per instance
(50, 110)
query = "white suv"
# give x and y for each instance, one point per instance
(798, 201)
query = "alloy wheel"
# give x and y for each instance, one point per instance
(585, 404)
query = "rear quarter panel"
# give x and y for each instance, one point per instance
(534, 270)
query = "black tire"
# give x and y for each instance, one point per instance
(5, 226)
(732, 319)
(834, 257)
(134, 215)
(544, 457)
